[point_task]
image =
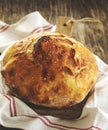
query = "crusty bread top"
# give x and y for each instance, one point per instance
(49, 69)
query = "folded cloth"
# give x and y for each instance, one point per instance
(14, 113)
(31, 23)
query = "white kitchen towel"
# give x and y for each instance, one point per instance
(16, 114)
(31, 23)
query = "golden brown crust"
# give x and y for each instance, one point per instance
(50, 69)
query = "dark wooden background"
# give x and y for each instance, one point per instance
(13, 10)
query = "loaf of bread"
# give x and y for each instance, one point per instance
(52, 73)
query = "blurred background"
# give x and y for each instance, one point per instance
(94, 35)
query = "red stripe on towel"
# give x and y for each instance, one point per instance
(42, 28)
(3, 28)
(64, 127)
(36, 30)
(11, 105)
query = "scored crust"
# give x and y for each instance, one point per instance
(49, 69)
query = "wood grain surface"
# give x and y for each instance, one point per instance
(96, 34)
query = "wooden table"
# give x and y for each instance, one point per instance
(13, 10)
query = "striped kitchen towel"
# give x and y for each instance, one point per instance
(14, 113)
(31, 23)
